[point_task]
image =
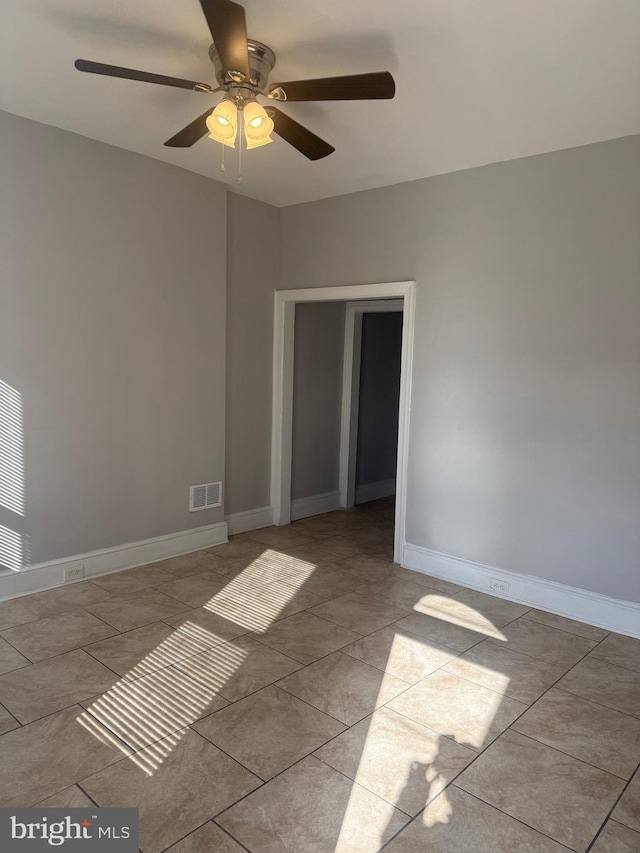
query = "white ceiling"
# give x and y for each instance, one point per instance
(478, 81)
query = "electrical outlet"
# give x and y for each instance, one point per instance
(72, 573)
(501, 587)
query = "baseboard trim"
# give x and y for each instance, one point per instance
(314, 505)
(375, 491)
(250, 519)
(613, 614)
(43, 576)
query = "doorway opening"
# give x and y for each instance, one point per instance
(370, 400)
(283, 390)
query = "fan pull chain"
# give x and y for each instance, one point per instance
(223, 168)
(240, 154)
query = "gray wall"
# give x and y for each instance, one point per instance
(112, 333)
(317, 398)
(253, 253)
(379, 397)
(525, 414)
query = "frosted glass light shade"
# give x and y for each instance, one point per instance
(257, 125)
(222, 124)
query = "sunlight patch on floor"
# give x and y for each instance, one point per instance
(156, 699)
(421, 769)
(450, 610)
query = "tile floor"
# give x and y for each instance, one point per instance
(295, 691)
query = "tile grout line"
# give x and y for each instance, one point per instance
(495, 740)
(613, 808)
(549, 747)
(455, 654)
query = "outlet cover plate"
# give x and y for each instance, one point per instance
(498, 586)
(74, 573)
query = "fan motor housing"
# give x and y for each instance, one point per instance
(261, 61)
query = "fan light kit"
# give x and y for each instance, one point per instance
(242, 68)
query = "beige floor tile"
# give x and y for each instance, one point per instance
(374, 535)
(359, 612)
(238, 668)
(518, 676)
(450, 609)
(595, 734)
(177, 784)
(204, 626)
(370, 569)
(54, 684)
(292, 596)
(280, 537)
(150, 708)
(497, 611)
(404, 594)
(146, 649)
(7, 722)
(268, 567)
(441, 631)
(54, 601)
(570, 625)
(195, 590)
(316, 528)
(10, 658)
(605, 683)
(255, 608)
(404, 655)
(341, 547)
(269, 730)
(133, 611)
(15, 612)
(238, 548)
(311, 808)
(616, 838)
(190, 564)
(384, 552)
(398, 759)
(310, 555)
(458, 823)
(540, 641)
(552, 792)
(208, 839)
(434, 584)
(331, 581)
(343, 687)
(620, 650)
(44, 757)
(70, 798)
(58, 634)
(469, 713)
(628, 809)
(305, 637)
(133, 580)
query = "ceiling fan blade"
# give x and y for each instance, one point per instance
(229, 31)
(295, 134)
(144, 76)
(353, 87)
(190, 134)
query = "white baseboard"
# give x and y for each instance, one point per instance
(250, 519)
(43, 576)
(375, 491)
(314, 505)
(581, 604)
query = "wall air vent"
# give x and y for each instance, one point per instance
(205, 496)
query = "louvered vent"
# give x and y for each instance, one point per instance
(205, 496)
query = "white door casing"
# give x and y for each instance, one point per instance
(282, 412)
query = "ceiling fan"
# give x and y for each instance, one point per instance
(242, 68)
